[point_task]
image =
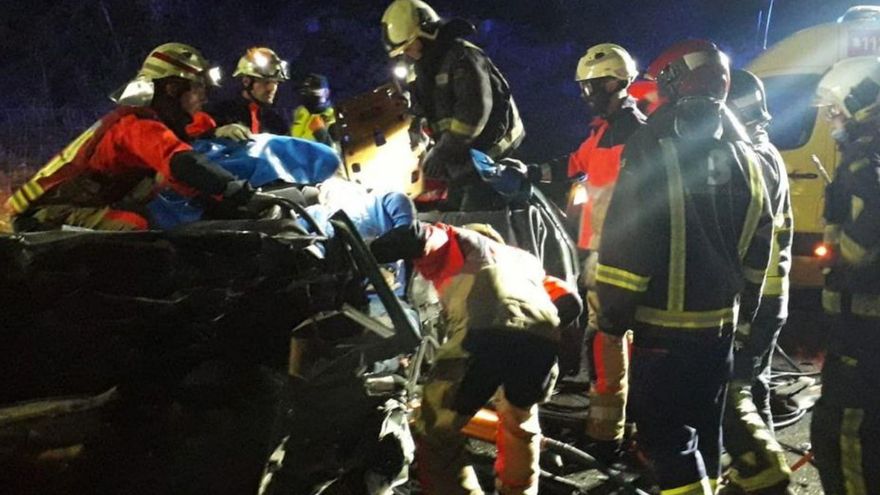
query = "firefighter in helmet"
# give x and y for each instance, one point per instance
(758, 461)
(604, 73)
(261, 71)
(686, 240)
(503, 315)
(315, 118)
(846, 420)
(105, 177)
(462, 96)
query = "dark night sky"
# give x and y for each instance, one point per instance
(71, 53)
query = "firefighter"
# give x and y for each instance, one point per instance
(106, 176)
(759, 464)
(464, 99)
(261, 70)
(503, 322)
(845, 431)
(604, 73)
(314, 119)
(686, 239)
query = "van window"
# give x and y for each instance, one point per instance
(790, 100)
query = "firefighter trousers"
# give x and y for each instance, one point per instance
(608, 378)
(676, 396)
(758, 461)
(519, 371)
(845, 431)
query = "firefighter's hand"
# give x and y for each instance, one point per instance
(433, 166)
(263, 206)
(235, 132)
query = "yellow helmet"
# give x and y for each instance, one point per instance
(406, 20)
(606, 60)
(262, 63)
(178, 60)
(851, 85)
(166, 60)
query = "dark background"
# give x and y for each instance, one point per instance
(60, 58)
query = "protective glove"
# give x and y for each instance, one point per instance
(263, 206)
(433, 165)
(236, 132)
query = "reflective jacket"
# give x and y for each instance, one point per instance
(255, 116)
(599, 159)
(105, 163)
(459, 91)
(687, 231)
(484, 284)
(776, 179)
(852, 215)
(313, 126)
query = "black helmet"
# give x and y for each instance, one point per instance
(747, 98)
(313, 83)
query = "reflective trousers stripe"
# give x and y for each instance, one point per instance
(851, 452)
(699, 488)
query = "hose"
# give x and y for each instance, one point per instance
(589, 461)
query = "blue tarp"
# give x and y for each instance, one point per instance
(265, 159)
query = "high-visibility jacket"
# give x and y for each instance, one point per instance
(687, 231)
(459, 91)
(255, 116)
(313, 126)
(852, 215)
(105, 163)
(598, 158)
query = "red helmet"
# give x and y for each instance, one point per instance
(691, 68)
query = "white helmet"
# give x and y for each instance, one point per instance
(406, 20)
(851, 85)
(606, 60)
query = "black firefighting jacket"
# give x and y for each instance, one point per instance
(776, 286)
(688, 229)
(460, 93)
(852, 215)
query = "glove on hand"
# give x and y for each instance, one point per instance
(236, 132)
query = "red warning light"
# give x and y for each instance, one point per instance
(821, 250)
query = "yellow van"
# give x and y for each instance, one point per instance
(791, 70)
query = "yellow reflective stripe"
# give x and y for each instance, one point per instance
(831, 301)
(463, 128)
(754, 276)
(776, 285)
(699, 488)
(856, 206)
(684, 319)
(677, 227)
(866, 305)
(68, 153)
(621, 278)
(851, 250)
(849, 361)
(851, 452)
(17, 202)
(756, 204)
(442, 125)
(513, 134)
(31, 190)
